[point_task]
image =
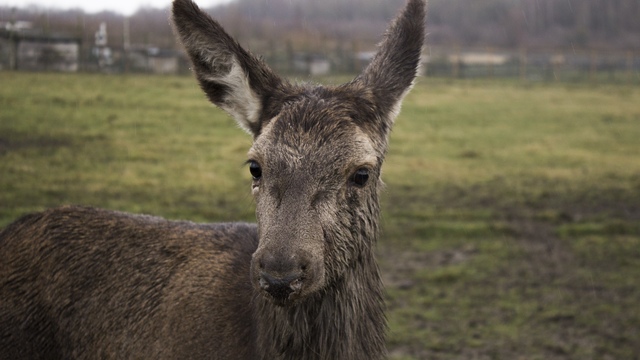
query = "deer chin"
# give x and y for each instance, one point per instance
(292, 301)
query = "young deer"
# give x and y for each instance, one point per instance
(84, 283)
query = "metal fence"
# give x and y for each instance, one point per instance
(535, 65)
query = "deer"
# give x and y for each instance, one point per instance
(79, 282)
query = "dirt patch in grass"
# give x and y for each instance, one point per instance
(404, 263)
(13, 141)
(513, 199)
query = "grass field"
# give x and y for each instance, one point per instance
(511, 218)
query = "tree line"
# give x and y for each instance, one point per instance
(357, 24)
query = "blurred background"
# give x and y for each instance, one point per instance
(511, 215)
(536, 39)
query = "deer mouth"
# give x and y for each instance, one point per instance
(286, 285)
(282, 291)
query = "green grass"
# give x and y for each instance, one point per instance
(510, 217)
(134, 143)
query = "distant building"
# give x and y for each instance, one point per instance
(154, 60)
(23, 48)
(479, 58)
(163, 61)
(312, 64)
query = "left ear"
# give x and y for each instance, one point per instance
(231, 77)
(394, 68)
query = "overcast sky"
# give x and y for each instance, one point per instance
(126, 7)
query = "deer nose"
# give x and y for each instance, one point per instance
(281, 275)
(280, 287)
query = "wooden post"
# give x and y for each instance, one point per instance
(491, 65)
(13, 43)
(79, 35)
(556, 62)
(126, 43)
(593, 66)
(629, 67)
(523, 64)
(455, 63)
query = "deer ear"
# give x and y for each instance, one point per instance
(392, 72)
(231, 77)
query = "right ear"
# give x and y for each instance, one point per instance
(233, 79)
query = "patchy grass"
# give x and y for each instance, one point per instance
(510, 219)
(136, 143)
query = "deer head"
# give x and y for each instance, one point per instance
(317, 151)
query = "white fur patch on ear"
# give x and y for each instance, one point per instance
(241, 102)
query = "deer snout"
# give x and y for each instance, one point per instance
(285, 278)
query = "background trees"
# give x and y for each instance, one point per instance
(497, 23)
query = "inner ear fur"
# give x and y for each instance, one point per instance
(231, 77)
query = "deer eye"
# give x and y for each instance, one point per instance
(255, 170)
(360, 177)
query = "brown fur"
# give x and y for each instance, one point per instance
(84, 283)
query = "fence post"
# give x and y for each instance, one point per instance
(126, 43)
(629, 67)
(593, 66)
(455, 66)
(523, 64)
(491, 65)
(557, 60)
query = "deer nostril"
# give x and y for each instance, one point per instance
(296, 284)
(264, 284)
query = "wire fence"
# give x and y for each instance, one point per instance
(568, 65)
(40, 53)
